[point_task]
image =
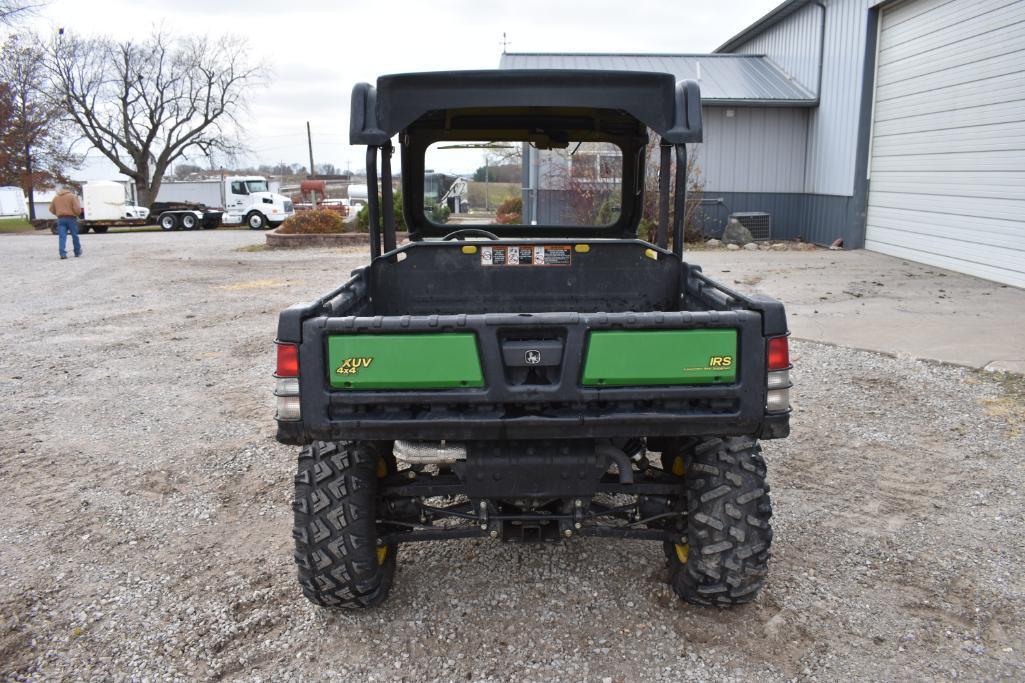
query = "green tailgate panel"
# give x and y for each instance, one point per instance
(404, 361)
(617, 358)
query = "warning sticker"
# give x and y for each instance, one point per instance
(516, 255)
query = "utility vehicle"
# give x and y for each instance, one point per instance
(532, 382)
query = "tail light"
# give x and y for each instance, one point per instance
(288, 360)
(777, 381)
(286, 389)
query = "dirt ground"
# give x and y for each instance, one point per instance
(145, 531)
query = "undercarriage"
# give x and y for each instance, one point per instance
(528, 492)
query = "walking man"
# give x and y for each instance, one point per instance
(66, 207)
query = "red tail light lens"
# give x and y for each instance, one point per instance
(779, 353)
(288, 361)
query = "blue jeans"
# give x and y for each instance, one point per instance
(64, 226)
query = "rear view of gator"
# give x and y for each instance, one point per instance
(539, 380)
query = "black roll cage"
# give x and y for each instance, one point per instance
(543, 107)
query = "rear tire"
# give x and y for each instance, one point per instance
(168, 222)
(83, 229)
(723, 560)
(340, 562)
(189, 221)
(101, 230)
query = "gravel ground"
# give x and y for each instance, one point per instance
(146, 520)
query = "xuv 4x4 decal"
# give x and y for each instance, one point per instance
(351, 366)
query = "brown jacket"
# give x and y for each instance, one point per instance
(66, 205)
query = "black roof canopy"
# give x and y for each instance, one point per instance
(671, 109)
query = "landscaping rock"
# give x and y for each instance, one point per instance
(714, 243)
(751, 246)
(733, 247)
(735, 233)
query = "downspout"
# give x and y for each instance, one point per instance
(822, 49)
(818, 94)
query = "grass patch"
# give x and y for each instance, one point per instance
(253, 247)
(15, 225)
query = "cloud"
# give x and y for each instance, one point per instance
(318, 50)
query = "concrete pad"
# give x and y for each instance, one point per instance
(865, 300)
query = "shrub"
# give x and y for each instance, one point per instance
(363, 217)
(510, 211)
(439, 213)
(313, 222)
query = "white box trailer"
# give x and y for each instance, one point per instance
(12, 202)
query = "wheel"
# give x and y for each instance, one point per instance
(256, 221)
(722, 559)
(83, 229)
(189, 221)
(341, 564)
(168, 221)
(101, 230)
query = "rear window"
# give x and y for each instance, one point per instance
(480, 182)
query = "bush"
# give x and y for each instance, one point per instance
(439, 213)
(510, 211)
(363, 217)
(313, 222)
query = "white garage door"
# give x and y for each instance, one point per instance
(947, 168)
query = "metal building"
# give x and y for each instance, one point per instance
(901, 131)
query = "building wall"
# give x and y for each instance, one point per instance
(757, 152)
(833, 127)
(793, 44)
(757, 149)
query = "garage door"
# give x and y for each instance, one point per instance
(947, 164)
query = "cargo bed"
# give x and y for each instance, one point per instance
(470, 296)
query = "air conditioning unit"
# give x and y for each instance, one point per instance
(758, 223)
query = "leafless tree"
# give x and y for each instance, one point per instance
(13, 11)
(146, 104)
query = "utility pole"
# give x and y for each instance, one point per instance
(309, 139)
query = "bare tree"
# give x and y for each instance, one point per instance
(33, 135)
(13, 11)
(145, 105)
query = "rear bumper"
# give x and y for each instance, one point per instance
(564, 409)
(537, 427)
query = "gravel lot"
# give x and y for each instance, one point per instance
(145, 531)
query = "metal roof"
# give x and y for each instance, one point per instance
(778, 14)
(725, 79)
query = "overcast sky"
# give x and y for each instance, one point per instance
(317, 49)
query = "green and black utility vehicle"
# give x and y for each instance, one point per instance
(545, 376)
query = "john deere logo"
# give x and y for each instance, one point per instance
(532, 357)
(351, 366)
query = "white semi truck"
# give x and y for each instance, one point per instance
(244, 199)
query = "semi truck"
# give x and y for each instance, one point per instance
(244, 199)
